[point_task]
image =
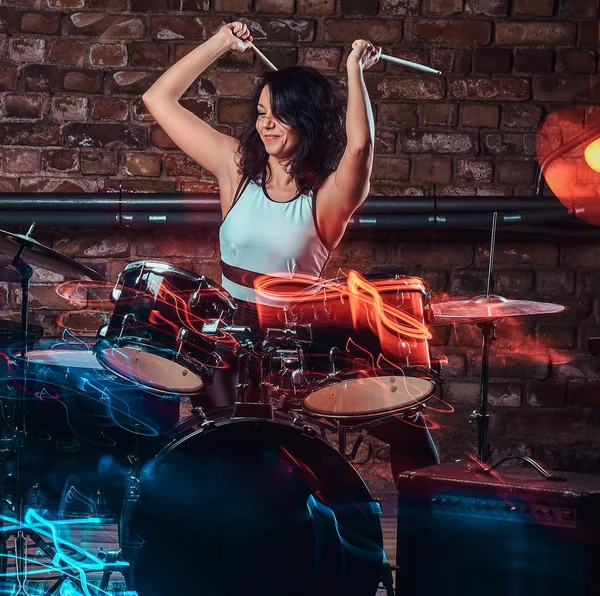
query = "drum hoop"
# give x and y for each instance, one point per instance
(137, 343)
(425, 374)
(160, 267)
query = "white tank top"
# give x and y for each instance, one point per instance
(260, 236)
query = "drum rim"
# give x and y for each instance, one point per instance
(166, 267)
(136, 343)
(425, 374)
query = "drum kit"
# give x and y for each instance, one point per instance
(251, 498)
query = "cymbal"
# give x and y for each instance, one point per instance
(39, 255)
(488, 308)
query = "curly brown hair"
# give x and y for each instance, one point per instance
(302, 98)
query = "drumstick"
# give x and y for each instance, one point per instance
(262, 57)
(414, 65)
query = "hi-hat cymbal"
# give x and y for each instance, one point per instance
(39, 255)
(488, 308)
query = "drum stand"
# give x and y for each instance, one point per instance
(21, 532)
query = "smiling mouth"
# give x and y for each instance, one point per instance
(270, 137)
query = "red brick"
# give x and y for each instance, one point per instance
(26, 50)
(23, 106)
(576, 255)
(473, 171)
(490, 8)
(397, 113)
(237, 6)
(414, 141)
(385, 141)
(589, 33)
(457, 61)
(578, 8)
(557, 282)
(25, 134)
(277, 6)
(40, 77)
(557, 336)
(83, 81)
(69, 108)
(58, 185)
(110, 108)
(22, 161)
(356, 7)
(66, 3)
(280, 56)
(452, 31)
(400, 7)
(108, 5)
(516, 172)
(68, 51)
(46, 297)
(60, 160)
(108, 55)
(105, 26)
(519, 253)
(583, 393)
(170, 28)
(548, 395)
(232, 111)
(434, 254)
(391, 168)
(321, 58)
(543, 33)
(430, 169)
(181, 165)
(505, 144)
(462, 190)
(160, 139)
(142, 164)
(131, 81)
(527, 8)
(497, 89)
(521, 116)
(230, 83)
(479, 116)
(199, 186)
(152, 54)
(9, 184)
(406, 87)
(381, 31)
(438, 114)
(566, 89)
(492, 60)
(575, 61)
(534, 61)
(198, 106)
(99, 163)
(9, 78)
(151, 6)
(113, 136)
(46, 23)
(150, 185)
(233, 60)
(443, 7)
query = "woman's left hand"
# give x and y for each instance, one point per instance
(364, 54)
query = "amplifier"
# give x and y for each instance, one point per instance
(466, 532)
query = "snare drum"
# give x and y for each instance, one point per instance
(164, 328)
(370, 351)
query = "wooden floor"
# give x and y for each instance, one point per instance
(93, 537)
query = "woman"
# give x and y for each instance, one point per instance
(290, 185)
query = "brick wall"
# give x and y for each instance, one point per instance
(71, 76)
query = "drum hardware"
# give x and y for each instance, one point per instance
(24, 246)
(485, 310)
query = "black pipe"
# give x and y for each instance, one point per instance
(193, 202)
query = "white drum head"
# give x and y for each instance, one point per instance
(368, 396)
(65, 358)
(151, 370)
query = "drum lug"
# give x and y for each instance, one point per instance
(124, 324)
(199, 411)
(309, 431)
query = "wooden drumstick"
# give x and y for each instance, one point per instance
(262, 57)
(408, 64)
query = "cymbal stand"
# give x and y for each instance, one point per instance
(21, 532)
(488, 331)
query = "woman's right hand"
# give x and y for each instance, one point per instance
(236, 36)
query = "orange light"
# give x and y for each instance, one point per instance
(592, 155)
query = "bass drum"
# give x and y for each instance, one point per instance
(252, 506)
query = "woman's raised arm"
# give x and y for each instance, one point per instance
(211, 149)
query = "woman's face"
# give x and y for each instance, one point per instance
(280, 140)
